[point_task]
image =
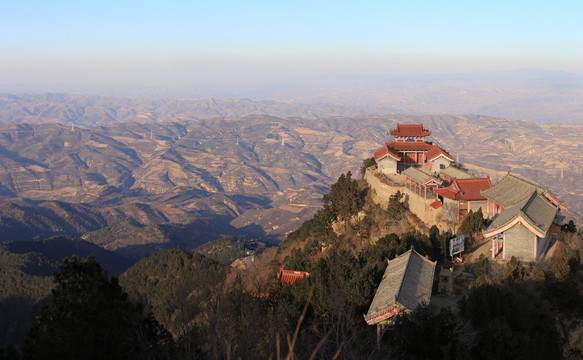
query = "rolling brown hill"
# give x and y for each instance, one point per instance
(255, 176)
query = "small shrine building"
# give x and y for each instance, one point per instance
(289, 277)
(525, 216)
(406, 283)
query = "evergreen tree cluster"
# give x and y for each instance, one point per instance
(91, 317)
(472, 223)
(395, 208)
(344, 199)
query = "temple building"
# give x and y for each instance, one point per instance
(409, 148)
(463, 195)
(406, 283)
(525, 216)
(386, 160)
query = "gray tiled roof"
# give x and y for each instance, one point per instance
(454, 172)
(418, 175)
(407, 282)
(511, 191)
(536, 210)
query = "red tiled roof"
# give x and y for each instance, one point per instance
(408, 146)
(289, 277)
(446, 192)
(466, 189)
(436, 152)
(410, 130)
(393, 312)
(385, 151)
(436, 204)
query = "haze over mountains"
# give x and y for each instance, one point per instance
(529, 95)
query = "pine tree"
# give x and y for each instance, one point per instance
(90, 317)
(344, 198)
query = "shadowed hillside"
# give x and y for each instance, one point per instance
(257, 176)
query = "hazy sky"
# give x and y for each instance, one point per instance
(190, 43)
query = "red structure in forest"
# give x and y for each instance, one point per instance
(289, 277)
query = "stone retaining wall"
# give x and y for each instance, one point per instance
(383, 189)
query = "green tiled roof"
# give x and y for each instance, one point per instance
(536, 210)
(511, 191)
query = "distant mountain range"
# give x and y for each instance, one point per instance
(528, 95)
(92, 110)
